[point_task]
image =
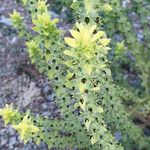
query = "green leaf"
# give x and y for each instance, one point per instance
(70, 53)
(93, 140)
(88, 68)
(107, 7)
(105, 41)
(82, 104)
(75, 34)
(71, 42)
(24, 1)
(98, 35)
(82, 87)
(87, 124)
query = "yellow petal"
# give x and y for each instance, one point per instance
(71, 42)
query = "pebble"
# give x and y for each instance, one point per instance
(125, 3)
(140, 37)
(12, 140)
(50, 97)
(14, 40)
(42, 146)
(46, 113)
(44, 106)
(4, 140)
(147, 131)
(46, 89)
(11, 131)
(5, 20)
(118, 135)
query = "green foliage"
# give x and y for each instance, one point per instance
(119, 23)
(26, 128)
(93, 107)
(9, 114)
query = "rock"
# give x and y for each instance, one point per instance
(147, 131)
(54, 15)
(5, 20)
(44, 106)
(42, 146)
(11, 131)
(12, 141)
(2, 131)
(46, 113)
(46, 89)
(4, 140)
(126, 3)
(118, 37)
(50, 97)
(140, 37)
(118, 135)
(14, 40)
(18, 148)
(28, 147)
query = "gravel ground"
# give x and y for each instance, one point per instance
(20, 82)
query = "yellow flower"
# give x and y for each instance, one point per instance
(86, 39)
(16, 18)
(26, 128)
(41, 5)
(8, 113)
(120, 45)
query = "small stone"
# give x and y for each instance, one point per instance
(3, 141)
(118, 135)
(14, 40)
(44, 106)
(28, 147)
(5, 20)
(54, 15)
(16, 148)
(140, 37)
(43, 146)
(12, 141)
(11, 131)
(2, 131)
(46, 89)
(147, 130)
(125, 3)
(50, 97)
(46, 113)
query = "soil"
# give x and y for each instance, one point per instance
(20, 82)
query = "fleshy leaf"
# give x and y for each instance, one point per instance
(70, 41)
(98, 35)
(75, 34)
